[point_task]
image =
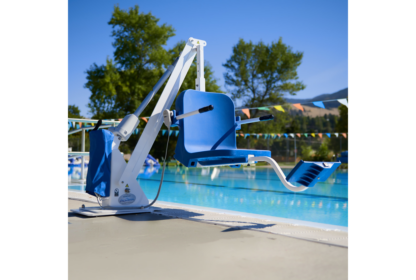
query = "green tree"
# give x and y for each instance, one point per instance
(259, 75)
(74, 112)
(118, 87)
(342, 125)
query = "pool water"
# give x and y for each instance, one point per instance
(255, 190)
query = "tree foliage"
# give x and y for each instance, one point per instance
(342, 124)
(139, 60)
(74, 112)
(259, 74)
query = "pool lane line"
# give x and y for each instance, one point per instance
(260, 190)
(265, 179)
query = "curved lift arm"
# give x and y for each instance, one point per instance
(145, 143)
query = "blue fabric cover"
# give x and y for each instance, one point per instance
(209, 138)
(99, 169)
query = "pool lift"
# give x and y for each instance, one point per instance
(207, 137)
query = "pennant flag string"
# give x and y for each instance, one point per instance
(319, 104)
(263, 108)
(279, 108)
(343, 101)
(247, 112)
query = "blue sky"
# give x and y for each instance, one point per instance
(317, 28)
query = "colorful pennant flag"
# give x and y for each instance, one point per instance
(313, 134)
(306, 135)
(247, 112)
(278, 135)
(343, 101)
(279, 108)
(170, 132)
(265, 136)
(176, 133)
(344, 134)
(285, 135)
(163, 132)
(336, 134)
(319, 104)
(297, 105)
(247, 134)
(292, 135)
(329, 135)
(263, 108)
(144, 119)
(320, 135)
(241, 134)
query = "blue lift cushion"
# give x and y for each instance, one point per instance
(209, 138)
(99, 168)
(308, 173)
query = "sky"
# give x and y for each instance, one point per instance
(319, 29)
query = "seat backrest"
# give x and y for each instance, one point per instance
(213, 130)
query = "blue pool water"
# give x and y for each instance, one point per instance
(255, 190)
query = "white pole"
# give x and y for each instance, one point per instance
(83, 150)
(200, 80)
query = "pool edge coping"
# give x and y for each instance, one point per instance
(327, 227)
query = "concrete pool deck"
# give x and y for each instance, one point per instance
(160, 246)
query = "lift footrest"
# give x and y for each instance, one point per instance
(308, 173)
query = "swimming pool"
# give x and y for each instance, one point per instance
(255, 190)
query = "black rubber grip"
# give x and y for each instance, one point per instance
(266, 118)
(206, 109)
(98, 124)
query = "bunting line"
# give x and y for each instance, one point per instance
(319, 104)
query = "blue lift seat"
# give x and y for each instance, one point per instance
(209, 138)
